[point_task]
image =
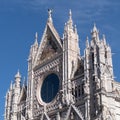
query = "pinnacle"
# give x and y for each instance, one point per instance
(95, 28)
(24, 82)
(87, 42)
(11, 86)
(36, 38)
(36, 35)
(70, 21)
(18, 74)
(70, 14)
(104, 39)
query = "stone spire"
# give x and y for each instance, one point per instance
(16, 93)
(17, 75)
(70, 21)
(94, 28)
(11, 86)
(24, 82)
(35, 45)
(34, 48)
(95, 36)
(36, 39)
(87, 42)
(17, 79)
(70, 15)
(104, 39)
(95, 32)
(75, 29)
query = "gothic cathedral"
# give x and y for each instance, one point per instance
(62, 84)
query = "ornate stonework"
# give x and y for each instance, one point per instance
(62, 84)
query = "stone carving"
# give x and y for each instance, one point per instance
(49, 50)
(81, 77)
(97, 80)
(86, 88)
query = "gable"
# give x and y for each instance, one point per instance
(45, 116)
(50, 45)
(74, 112)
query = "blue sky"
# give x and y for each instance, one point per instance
(19, 20)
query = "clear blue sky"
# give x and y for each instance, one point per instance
(19, 20)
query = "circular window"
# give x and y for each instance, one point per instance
(50, 88)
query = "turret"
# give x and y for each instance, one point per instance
(71, 43)
(8, 103)
(95, 35)
(31, 60)
(5, 112)
(16, 95)
(34, 48)
(71, 53)
(98, 69)
(17, 80)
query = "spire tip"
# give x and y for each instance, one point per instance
(50, 15)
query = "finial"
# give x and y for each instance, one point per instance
(50, 15)
(104, 39)
(36, 39)
(24, 82)
(104, 36)
(95, 33)
(18, 74)
(75, 28)
(70, 22)
(11, 86)
(70, 14)
(94, 28)
(36, 35)
(87, 42)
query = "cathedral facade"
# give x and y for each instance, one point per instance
(62, 84)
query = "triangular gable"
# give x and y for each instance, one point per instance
(53, 30)
(45, 116)
(74, 109)
(50, 43)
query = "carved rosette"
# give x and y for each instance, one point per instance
(40, 73)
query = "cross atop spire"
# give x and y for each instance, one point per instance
(50, 15)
